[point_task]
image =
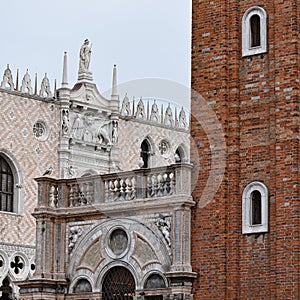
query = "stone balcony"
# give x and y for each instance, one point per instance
(77, 220)
(132, 190)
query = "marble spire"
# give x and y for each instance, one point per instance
(114, 93)
(64, 83)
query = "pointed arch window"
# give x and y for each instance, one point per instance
(145, 153)
(254, 31)
(180, 155)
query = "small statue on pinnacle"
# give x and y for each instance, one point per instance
(85, 56)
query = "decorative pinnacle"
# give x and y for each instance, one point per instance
(114, 93)
(64, 82)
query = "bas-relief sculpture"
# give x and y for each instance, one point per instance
(92, 129)
(164, 225)
(118, 241)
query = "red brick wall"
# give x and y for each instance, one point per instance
(256, 102)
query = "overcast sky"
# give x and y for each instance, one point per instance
(145, 38)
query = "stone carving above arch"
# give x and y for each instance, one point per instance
(94, 250)
(7, 79)
(143, 252)
(76, 230)
(74, 235)
(118, 241)
(146, 252)
(164, 225)
(92, 257)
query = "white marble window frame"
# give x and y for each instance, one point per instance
(247, 50)
(247, 227)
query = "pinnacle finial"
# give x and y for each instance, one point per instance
(64, 82)
(17, 80)
(114, 93)
(35, 84)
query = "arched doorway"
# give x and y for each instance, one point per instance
(118, 284)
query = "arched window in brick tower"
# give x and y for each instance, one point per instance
(255, 208)
(255, 30)
(6, 186)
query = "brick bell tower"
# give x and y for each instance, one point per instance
(245, 128)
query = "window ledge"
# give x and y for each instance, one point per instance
(13, 214)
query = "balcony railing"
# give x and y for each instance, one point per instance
(114, 187)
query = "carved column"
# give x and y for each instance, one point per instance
(64, 99)
(181, 275)
(49, 280)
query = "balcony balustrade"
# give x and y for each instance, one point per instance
(115, 187)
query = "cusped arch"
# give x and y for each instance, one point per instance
(8, 287)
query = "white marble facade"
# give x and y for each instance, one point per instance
(76, 132)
